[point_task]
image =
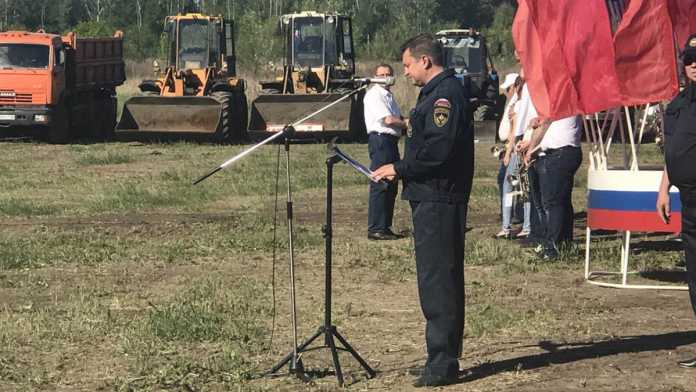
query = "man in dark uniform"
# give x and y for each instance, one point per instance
(437, 171)
(680, 155)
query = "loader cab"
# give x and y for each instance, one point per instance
(198, 42)
(467, 54)
(315, 40)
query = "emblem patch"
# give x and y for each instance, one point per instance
(441, 112)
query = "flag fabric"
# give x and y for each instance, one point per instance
(624, 200)
(573, 58)
(645, 53)
(574, 64)
(683, 16)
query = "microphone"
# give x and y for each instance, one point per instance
(386, 81)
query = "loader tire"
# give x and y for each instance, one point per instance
(225, 132)
(241, 118)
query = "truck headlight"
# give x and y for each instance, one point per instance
(41, 118)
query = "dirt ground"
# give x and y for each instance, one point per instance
(530, 326)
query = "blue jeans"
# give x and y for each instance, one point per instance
(507, 204)
(556, 175)
(383, 149)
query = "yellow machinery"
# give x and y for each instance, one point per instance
(198, 91)
(319, 65)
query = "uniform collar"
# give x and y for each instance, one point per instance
(691, 91)
(430, 86)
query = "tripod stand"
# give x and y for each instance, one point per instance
(327, 330)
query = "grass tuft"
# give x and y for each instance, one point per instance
(19, 207)
(104, 158)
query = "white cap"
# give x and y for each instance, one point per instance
(509, 80)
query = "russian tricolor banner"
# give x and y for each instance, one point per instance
(625, 200)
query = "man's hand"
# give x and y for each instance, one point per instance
(522, 146)
(385, 172)
(663, 206)
(528, 157)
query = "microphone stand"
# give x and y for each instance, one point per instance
(328, 330)
(296, 366)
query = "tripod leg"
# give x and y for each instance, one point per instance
(334, 355)
(300, 349)
(371, 373)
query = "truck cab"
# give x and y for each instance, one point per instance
(32, 77)
(64, 86)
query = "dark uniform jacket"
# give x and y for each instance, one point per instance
(438, 163)
(680, 139)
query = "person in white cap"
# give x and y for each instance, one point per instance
(515, 115)
(504, 128)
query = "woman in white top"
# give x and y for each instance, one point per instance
(518, 117)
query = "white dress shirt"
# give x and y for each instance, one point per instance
(379, 103)
(562, 133)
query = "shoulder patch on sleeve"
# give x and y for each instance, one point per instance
(441, 112)
(443, 103)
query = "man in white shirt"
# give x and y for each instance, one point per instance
(384, 125)
(559, 157)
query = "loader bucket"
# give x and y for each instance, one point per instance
(270, 112)
(171, 114)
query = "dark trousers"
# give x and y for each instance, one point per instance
(501, 180)
(537, 217)
(383, 149)
(688, 211)
(556, 173)
(439, 231)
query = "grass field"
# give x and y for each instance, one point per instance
(117, 274)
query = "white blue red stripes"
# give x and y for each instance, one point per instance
(625, 200)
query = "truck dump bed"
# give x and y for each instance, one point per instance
(98, 61)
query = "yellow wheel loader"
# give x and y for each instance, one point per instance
(198, 91)
(319, 66)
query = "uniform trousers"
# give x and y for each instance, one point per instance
(688, 202)
(383, 149)
(439, 231)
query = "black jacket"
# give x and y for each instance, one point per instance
(438, 163)
(680, 138)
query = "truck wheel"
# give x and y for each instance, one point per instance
(59, 130)
(107, 123)
(224, 132)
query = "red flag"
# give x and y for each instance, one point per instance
(567, 47)
(574, 65)
(683, 14)
(645, 54)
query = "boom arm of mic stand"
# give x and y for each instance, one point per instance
(288, 132)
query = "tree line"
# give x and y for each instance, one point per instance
(379, 25)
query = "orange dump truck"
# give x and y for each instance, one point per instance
(65, 86)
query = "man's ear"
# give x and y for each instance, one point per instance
(427, 62)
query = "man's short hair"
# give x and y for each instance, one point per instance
(425, 45)
(383, 65)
